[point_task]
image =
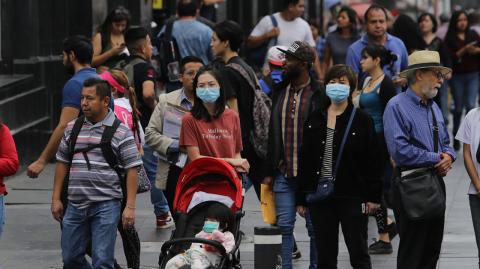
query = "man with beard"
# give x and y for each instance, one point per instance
(296, 97)
(416, 137)
(77, 58)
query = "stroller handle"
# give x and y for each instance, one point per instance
(213, 243)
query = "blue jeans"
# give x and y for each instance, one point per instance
(97, 223)
(465, 90)
(159, 202)
(284, 190)
(2, 213)
(311, 234)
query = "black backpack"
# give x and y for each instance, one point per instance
(168, 57)
(107, 151)
(256, 56)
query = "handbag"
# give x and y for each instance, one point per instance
(422, 194)
(267, 204)
(143, 183)
(325, 185)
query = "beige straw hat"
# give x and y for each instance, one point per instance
(421, 59)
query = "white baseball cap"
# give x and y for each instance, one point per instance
(275, 56)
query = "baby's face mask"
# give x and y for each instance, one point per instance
(209, 226)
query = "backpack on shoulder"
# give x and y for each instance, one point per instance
(261, 109)
(256, 56)
(168, 57)
(106, 146)
(127, 67)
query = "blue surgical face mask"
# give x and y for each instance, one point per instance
(210, 226)
(208, 95)
(338, 92)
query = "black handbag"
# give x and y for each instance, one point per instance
(421, 190)
(325, 186)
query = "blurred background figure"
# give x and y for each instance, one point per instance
(109, 43)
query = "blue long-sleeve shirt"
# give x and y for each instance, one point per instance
(394, 44)
(408, 130)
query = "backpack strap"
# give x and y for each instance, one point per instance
(169, 29)
(128, 69)
(109, 155)
(251, 81)
(72, 140)
(275, 24)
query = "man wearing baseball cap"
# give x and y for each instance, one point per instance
(295, 98)
(275, 59)
(417, 138)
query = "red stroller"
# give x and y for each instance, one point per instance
(203, 182)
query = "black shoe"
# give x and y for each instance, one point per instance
(392, 230)
(456, 145)
(380, 247)
(296, 254)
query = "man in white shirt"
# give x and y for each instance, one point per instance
(291, 27)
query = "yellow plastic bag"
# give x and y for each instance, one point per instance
(267, 204)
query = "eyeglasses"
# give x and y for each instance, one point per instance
(437, 73)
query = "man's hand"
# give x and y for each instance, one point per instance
(273, 33)
(398, 81)
(444, 165)
(57, 210)
(268, 180)
(371, 208)
(128, 218)
(35, 168)
(301, 210)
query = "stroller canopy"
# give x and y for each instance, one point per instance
(207, 175)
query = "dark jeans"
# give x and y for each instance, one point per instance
(172, 179)
(475, 210)
(420, 241)
(326, 217)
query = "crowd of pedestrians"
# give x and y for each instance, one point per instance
(337, 125)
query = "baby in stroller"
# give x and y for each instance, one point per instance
(218, 226)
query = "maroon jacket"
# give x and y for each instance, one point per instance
(8, 156)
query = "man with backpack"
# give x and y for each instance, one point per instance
(185, 35)
(95, 189)
(244, 96)
(141, 75)
(281, 28)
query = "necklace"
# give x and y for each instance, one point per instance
(370, 83)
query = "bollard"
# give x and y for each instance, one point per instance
(268, 247)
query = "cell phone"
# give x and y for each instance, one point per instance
(364, 208)
(474, 43)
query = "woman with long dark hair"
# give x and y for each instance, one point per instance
(337, 42)
(377, 90)
(109, 43)
(407, 30)
(463, 45)
(8, 165)
(428, 26)
(210, 129)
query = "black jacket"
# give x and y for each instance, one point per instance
(275, 141)
(358, 175)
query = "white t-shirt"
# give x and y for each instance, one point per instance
(469, 133)
(290, 31)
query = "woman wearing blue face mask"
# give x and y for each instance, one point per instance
(348, 171)
(210, 129)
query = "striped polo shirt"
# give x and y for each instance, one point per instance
(100, 182)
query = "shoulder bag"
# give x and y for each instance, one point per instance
(325, 186)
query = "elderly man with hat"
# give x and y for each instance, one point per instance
(419, 145)
(292, 101)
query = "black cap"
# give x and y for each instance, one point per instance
(301, 51)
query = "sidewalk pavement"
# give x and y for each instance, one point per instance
(32, 238)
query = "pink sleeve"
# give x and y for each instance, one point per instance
(187, 131)
(228, 241)
(8, 153)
